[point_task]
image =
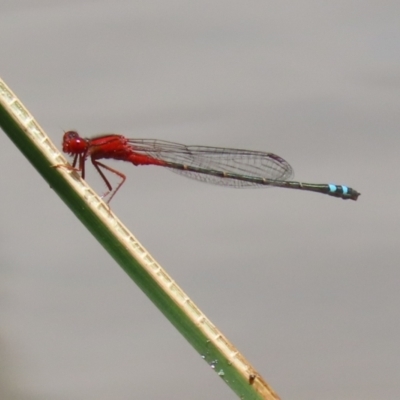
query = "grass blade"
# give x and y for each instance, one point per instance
(209, 342)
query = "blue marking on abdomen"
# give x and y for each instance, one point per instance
(332, 188)
(345, 189)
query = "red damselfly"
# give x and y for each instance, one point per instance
(221, 166)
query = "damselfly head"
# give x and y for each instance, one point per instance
(73, 143)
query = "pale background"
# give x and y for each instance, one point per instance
(305, 285)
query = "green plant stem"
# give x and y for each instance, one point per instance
(214, 348)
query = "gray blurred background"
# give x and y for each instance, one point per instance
(305, 285)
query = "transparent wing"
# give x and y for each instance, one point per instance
(255, 164)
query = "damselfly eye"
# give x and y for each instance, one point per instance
(73, 143)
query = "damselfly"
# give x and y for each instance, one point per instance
(221, 166)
